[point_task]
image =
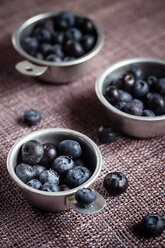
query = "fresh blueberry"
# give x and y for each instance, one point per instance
(43, 35)
(53, 58)
(133, 108)
(39, 169)
(50, 187)
(74, 48)
(32, 117)
(124, 96)
(161, 86)
(66, 59)
(77, 176)
(65, 20)
(148, 112)
(30, 44)
(106, 134)
(49, 176)
(88, 42)
(137, 72)
(85, 197)
(120, 105)
(62, 164)
(70, 148)
(49, 25)
(64, 187)
(112, 94)
(138, 103)
(73, 34)
(141, 88)
(128, 82)
(50, 153)
(57, 49)
(32, 152)
(58, 38)
(115, 183)
(25, 172)
(152, 81)
(46, 48)
(34, 183)
(85, 25)
(152, 225)
(157, 104)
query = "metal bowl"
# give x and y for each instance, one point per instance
(53, 72)
(137, 126)
(55, 201)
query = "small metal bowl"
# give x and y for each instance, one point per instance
(137, 126)
(56, 201)
(53, 72)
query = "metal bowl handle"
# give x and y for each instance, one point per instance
(30, 69)
(97, 206)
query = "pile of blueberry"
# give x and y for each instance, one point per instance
(49, 168)
(63, 37)
(136, 95)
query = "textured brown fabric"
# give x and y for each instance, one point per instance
(132, 28)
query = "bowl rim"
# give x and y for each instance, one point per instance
(39, 17)
(27, 137)
(100, 82)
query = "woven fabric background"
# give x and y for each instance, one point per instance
(132, 28)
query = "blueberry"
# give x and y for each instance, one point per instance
(88, 42)
(148, 112)
(124, 96)
(161, 86)
(85, 197)
(49, 25)
(133, 108)
(152, 81)
(25, 172)
(32, 117)
(62, 164)
(128, 82)
(73, 34)
(32, 152)
(106, 134)
(85, 25)
(57, 49)
(49, 176)
(46, 48)
(73, 48)
(50, 153)
(64, 187)
(65, 20)
(43, 35)
(70, 148)
(115, 183)
(66, 59)
(50, 187)
(152, 225)
(58, 38)
(30, 44)
(137, 72)
(77, 176)
(138, 103)
(53, 58)
(34, 183)
(120, 105)
(112, 94)
(157, 104)
(39, 169)
(141, 89)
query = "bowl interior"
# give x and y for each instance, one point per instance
(91, 154)
(26, 28)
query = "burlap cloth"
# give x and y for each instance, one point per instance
(132, 28)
